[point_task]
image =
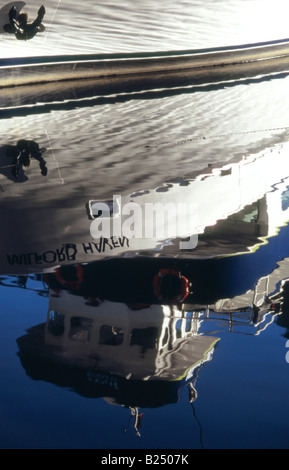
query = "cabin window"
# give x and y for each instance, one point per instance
(285, 199)
(165, 337)
(188, 324)
(178, 327)
(55, 324)
(111, 335)
(80, 329)
(144, 337)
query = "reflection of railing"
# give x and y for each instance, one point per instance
(250, 313)
(240, 322)
(248, 321)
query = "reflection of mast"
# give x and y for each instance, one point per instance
(137, 417)
(199, 424)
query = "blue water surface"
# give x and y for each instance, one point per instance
(241, 399)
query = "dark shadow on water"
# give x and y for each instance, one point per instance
(20, 25)
(4, 13)
(14, 159)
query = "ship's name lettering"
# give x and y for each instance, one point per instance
(105, 244)
(67, 252)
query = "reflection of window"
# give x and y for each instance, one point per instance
(188, 321)
(111, 335)
(285, 199)
(80, 328)
(249, 214)
(166, 337)
(179, 328)
(55, 323)
(145, 337)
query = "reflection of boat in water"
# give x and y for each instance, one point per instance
(140, 355)
(110, 336)
(136, 358)
(235, 208)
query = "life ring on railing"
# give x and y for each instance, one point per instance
(183, 285)
(71, 284)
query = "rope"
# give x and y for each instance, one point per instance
(216, 136)
(47, 30)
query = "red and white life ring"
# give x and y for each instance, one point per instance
(74, 285)
(157, 285)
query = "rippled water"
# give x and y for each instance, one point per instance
(122, 26)
(85, 351)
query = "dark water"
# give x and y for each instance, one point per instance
(97, 349)
(70, 380)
